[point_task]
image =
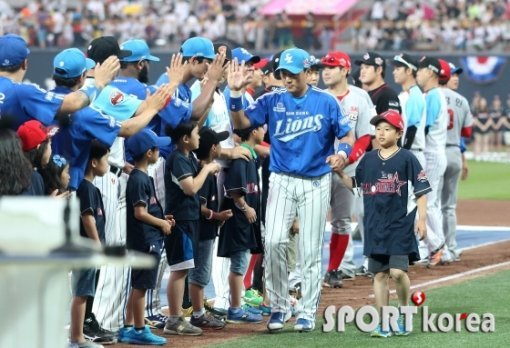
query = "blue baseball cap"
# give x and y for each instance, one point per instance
(294, 60)
(455, 69)
(71, 63)
(139, 51)
(198, 47)
(143, 141)
(13, 50)
(243, 55)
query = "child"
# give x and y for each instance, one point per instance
(200, 276)
(146, 228)
(36, 143)
(56, 175)
(388, 177)
(92, 225)
(242, 232)
(182, 183)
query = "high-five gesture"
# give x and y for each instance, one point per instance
(216, 68)
(106, 71)
(175, 71)
(236, 74)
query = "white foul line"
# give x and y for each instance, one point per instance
(455, 276)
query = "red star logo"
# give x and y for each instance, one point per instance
(394, 179)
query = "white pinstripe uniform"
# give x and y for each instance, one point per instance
(435, 157)
(459, 116)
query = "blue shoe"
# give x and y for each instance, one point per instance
(401, 327)
(304, 325)
(266, 310)
(251, 309)
(378, 332)
(241, 316)
(144, 336)
(122, 333)
(277, 320)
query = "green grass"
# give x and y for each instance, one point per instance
(483, 295)
(486, 180)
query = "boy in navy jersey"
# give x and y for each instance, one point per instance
(242, 233)
(92, 225)
(146, 228)
(393, 184)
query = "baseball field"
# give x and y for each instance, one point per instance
(476, 287)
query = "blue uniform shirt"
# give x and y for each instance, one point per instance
(73, 141)
(389, 188)
(25, 102)
(415, 106)
(433, 100)
(302, 130)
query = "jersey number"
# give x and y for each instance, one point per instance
(450, 119)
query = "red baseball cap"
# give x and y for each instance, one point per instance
(391, 116)
(261, 64)
(445, 72)
(337, 58)
(33, 133)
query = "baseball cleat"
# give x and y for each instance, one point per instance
(304, 325)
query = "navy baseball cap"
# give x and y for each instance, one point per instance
(103, 47)
(455, 69)
(143, 141)
(71, 63)
(391, 116)
(198, 47)
(243, 55)
(139, 51)
(13, 50)
(406, 61)
(294, 60)
(430, 63)
(372, 58)
(208, 138)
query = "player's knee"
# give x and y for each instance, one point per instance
(397, 274)
(381, 276)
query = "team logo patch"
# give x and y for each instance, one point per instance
(116, 97)
(388, 183)
(316, 183)
(279, 107)
(288, 58)
(422, 177)
(352, 114)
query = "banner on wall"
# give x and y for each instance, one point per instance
(483, 70)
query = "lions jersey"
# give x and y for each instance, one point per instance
(437, 120)
(459, 116)
(302, 130)
(24, 102)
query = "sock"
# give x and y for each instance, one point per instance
(199, 313)
(139, 328)
(88, 307)
(337, 248)
(128, 326)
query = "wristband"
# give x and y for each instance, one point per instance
(90, 91)
(211, 213)
(236, 104)
(344, 148)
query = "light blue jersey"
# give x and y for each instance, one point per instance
(302, 130)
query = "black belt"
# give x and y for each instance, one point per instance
(115, 170)
(452, 145)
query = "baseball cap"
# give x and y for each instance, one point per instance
(294, 60)
(445, 72)
(263, 65)
(243, 55)
(13, 50)
(337, 58)
(139, 51)
(198, 47)
(315, 63)
(430, 63)
(34, 133)
(71, 63)
(143, 141)
(208, 138)
(455, 69)
(371, 58)
(406, 61)
(391, 116)
(103, 47)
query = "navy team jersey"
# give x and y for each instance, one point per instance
(237, 234)
(36, 187)
(390, 187)
(181, 206)
(73, 141)
(140, 191)
(208, 195)
(24, 102)
(302, 130)
(91, 203)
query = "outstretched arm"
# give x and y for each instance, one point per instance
(235, 83)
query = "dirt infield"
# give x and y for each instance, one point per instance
(357, 292)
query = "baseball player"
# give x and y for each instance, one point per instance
(460, 122)
(429, 70)
(303, 122)
(358, 108)
(412, 103)
(23, 102)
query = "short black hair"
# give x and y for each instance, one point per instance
(124, 65)
(11, 68)
(69, 82)
(177, 133)
(97, 150)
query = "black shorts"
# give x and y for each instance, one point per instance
(382, 263)
(181, 245)
(146, 278)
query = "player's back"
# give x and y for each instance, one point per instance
(437, 120)
(459, 115)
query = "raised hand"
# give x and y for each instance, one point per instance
(216, 68)
(175, 71)
(106, 72)
(158, 100)
(236, 75)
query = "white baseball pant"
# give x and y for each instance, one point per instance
(435, 168)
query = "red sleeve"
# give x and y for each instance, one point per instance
(359, 148)
(466, 132)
